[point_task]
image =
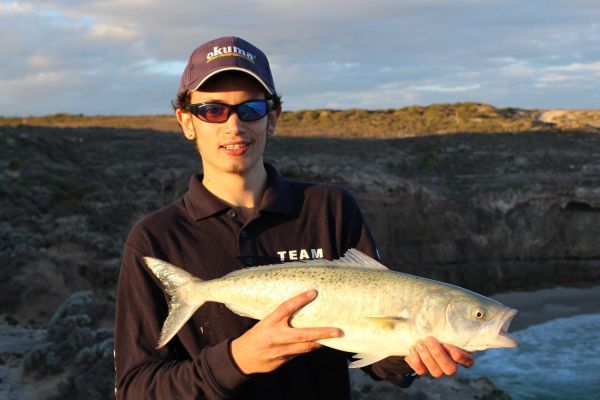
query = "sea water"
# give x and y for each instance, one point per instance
(559, 359)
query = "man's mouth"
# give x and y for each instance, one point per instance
(235, 149)
(235, 146)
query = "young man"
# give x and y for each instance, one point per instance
(239, 213)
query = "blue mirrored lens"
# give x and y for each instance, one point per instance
(252, 110)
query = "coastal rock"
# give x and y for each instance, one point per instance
(425, 388)
(91, 375)
(491, 212)
(75, 326)
(483, 211)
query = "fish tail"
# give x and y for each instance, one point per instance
(185, 298)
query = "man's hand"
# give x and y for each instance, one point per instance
(272, 341)
(437, 358)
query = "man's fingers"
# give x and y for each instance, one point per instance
(439, 359)
(428, 359)
(414, 361)
(459, 355)
(441, 356)
(295, 349)
(304, 335)
(290, 306)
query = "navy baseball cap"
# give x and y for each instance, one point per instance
(228, 53)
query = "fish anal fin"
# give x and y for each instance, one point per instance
(364, 359)
(242, 311)
(388, 322)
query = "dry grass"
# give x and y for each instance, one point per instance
(166, 123)
(407, 121)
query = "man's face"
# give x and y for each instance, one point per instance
(234, 146)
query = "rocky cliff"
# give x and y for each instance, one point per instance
(489, 212)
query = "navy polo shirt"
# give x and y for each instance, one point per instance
(210, 238)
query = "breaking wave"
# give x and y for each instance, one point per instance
(559, 359)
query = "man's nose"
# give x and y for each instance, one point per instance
(234, 125)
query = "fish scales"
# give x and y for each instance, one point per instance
(380, 312)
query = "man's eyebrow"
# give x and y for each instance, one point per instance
(211, 100)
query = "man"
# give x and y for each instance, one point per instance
(241, 213)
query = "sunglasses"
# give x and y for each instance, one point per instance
(214, 112)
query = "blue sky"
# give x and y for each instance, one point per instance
(126, 57)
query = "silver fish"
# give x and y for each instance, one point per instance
(381, 312)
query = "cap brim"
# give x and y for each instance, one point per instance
(218, 71)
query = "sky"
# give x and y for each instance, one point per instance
(126, 57)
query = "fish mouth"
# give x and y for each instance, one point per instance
(503, 339)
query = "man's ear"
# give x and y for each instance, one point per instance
(272, 119)
(185, 119)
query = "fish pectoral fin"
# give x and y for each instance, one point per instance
(387, 322)
(364, 359)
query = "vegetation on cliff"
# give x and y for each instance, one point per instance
(389, 123)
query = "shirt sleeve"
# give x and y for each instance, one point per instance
(392, 369)
(144, 372)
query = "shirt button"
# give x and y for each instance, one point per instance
(244, 234)
(249, 261)
(231, 214)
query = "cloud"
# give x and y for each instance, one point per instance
(15, 7)
(128, 55)
(556, 78)
(113, 32)
(593, 68)
(519, 70)
(153, 66)
(40, 61)
(445, 89)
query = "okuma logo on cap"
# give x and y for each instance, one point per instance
(228, 51)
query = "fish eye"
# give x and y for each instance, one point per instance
(478, 313)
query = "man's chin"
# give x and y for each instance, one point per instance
(241, 168)
(238, 169)
(244, 167)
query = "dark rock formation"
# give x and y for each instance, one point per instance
(75, 327)
(489, 212)
(425, 388)
(67, 201)
(91, 375)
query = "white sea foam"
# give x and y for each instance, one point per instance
(559, 359)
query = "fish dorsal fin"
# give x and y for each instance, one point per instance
(356, 258)
(352, 258)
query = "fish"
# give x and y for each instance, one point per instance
(381, 312)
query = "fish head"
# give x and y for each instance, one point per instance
(474, 322)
